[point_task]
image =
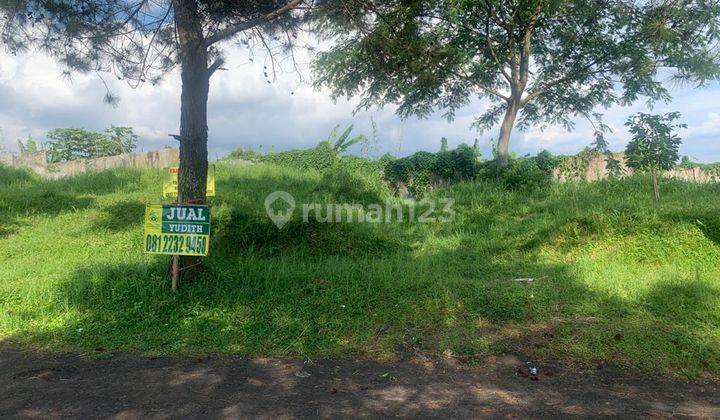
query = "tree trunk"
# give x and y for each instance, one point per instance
(503, 146)
(656, 188)
(192, 178)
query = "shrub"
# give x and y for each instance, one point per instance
(421, 170)
(354, 187)
(320, 157)
(360, 165)
(547, 162)
(525, 173)
(244, 154)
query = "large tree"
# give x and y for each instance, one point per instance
(536, 61)
(141, 40)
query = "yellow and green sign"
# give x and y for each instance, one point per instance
(177, 229)
(170, 182)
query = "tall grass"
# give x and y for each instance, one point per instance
(616, 278)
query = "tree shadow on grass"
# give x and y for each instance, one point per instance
(120, 216)
(397, 306)
(23, 203)
(244, 231)
(242, 222)
(707, 221)
(25, 195)
(684, 302)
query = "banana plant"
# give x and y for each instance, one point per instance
(341, 143)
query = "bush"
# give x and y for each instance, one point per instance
(526, 173)
(352, 186)
(320, 157)
(547, 162)
(244, 154)
(360, 164)
(420, 171)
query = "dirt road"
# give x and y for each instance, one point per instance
(132, 386)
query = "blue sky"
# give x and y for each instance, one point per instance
(245, 111)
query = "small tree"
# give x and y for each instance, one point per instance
(120, 140)
(654, 146)
(341, 143)
(444, 144)
(30, 145)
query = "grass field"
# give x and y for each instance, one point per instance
(618, 278)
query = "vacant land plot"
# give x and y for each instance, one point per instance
(617, 279)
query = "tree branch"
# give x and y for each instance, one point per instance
(215, 66)
(248, 24)
(527, 47)
(551, 84)
(481, 87)
(501, 66)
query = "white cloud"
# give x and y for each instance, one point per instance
(246, 111)
(711, 126)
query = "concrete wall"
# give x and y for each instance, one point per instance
(37, 162)
(597, 169)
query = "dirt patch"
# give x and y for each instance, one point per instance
(130, 386)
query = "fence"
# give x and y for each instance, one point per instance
(38, 162)
(594, 167)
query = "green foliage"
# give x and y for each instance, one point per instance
(385, 158)
(559, 60)
(600, 145)
(352, 184)
(575, 168)
(420, 171)
(30, 145)
(522, 174)
(326, 154)
(686, 163)
(76, 143)
(243, 154)
(546, 161)
(361, 165)
(115, 36)
(340, 143)
(320, 157)
(654, 145)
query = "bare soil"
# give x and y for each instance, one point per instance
(33, 384)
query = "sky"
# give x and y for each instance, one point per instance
(246, 111)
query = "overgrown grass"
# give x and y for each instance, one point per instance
(617, 278)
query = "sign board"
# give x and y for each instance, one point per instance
(170, 181)
(177, 229)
